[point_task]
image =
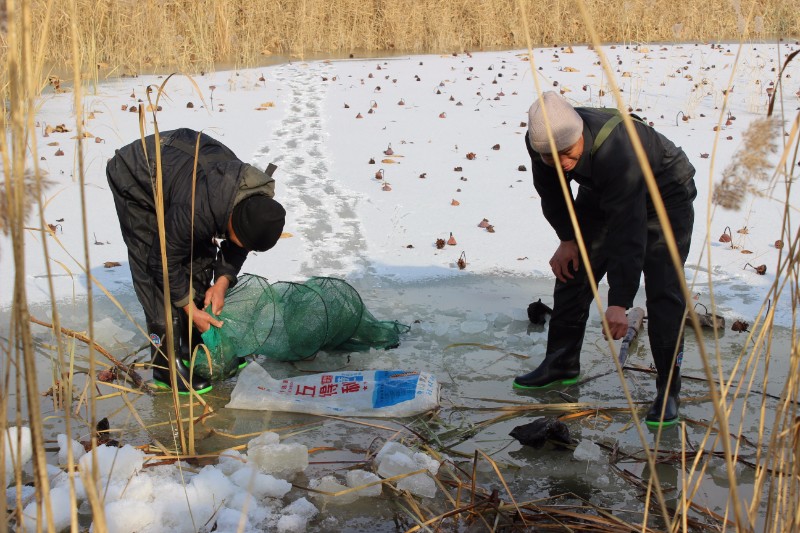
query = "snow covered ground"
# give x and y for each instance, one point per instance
(454, 127)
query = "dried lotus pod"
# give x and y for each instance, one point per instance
(760, 269)
(726, 235)
(462, 261)
(739, 325)
(452, 240)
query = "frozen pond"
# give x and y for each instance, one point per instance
(358, 205)
(473, 333)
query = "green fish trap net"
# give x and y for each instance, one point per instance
(290, 322)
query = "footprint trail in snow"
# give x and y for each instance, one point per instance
(321, 211)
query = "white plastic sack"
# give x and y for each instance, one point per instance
(379, 393)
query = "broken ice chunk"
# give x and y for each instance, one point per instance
(424, 460)
(265, 439)
(419, 485)
(392, 447)
(588, 451)
(129, 516)
(357, 478)
(14, 436)
(330, 484)
(292, 523)
(302, 507)
(279, 458)
(395, 464)
(260, 485)
(230, 461)
(77, 449)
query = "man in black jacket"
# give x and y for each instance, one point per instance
(622, 234)
(205, 198)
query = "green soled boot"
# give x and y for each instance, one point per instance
(161, 373)
(667, 400)
(562, 363)
(667, 395)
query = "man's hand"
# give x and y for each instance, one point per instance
(201, 319)
(215, 295)
(617, 321)
(566, 253)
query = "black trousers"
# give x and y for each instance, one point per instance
(665, 301)
(137, 220)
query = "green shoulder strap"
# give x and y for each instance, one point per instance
(606, 130)
(608, 127)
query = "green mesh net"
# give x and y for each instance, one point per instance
(290, 322)
(250, 315)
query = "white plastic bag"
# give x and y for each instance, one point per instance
(379, 393)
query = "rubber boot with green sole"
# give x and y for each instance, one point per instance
(160, 361)
(562, 362)
(668, 395)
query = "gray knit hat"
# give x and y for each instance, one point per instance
(565, 122)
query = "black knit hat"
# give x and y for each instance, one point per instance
(258, 222)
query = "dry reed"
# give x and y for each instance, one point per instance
(126, 37)
(751, 166)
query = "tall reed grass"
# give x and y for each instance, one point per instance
(127, 37)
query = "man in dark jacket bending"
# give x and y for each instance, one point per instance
(622, 234)
(229, 200)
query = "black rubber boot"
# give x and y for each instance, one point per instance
(184, 350)
(562, 363)
(161, 373)
(668, 395)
